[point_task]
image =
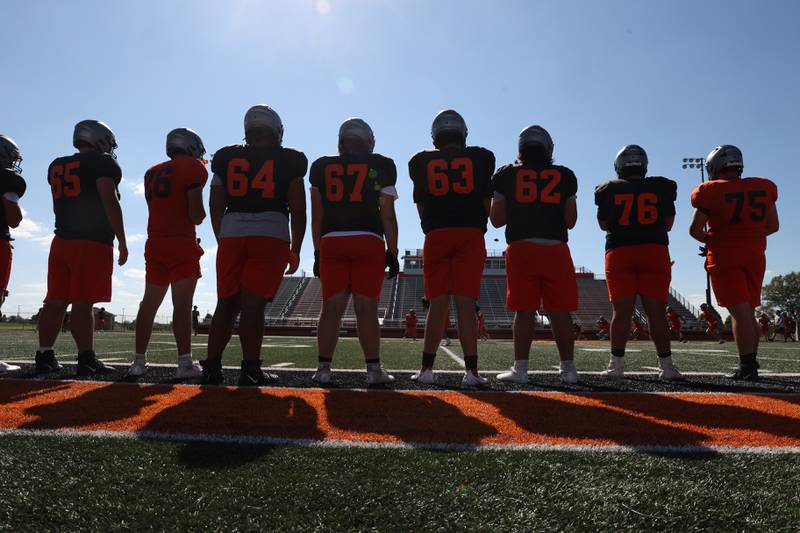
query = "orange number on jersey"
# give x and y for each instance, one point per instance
(526, 186)
(359, 170)
(334, 184)
(439, 181)
(238, 182)
(626, 200)
(646, 208)
(64, 181)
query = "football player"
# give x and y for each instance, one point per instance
(764, 323)
(411, 324)
(256, 190)
(535, 200)
(733, 217)
(675, 323)
(352, 212)
(12, 187)
(88, 218)
(174, 195)
(452, 191)
(483, 334)
(195, 319)
(637, 213)
(711, 318)
(602, 328)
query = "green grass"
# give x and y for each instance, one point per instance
(86, 483)
(405, 354)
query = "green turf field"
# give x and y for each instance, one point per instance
(397, 354)
(83, 483)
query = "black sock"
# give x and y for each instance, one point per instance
(324, 359)
(427, 359)
(747, 359)
(373, 361)
(471, 362)
(618, 352)
(666, 354)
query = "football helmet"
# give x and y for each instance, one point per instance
(263, 116)
(723, 157)
(356, 128)
(187, 140)
(10, 156)
(631, 155)
(536, 135)
(96, 134)
(448, 121)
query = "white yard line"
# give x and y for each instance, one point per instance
(453, 356)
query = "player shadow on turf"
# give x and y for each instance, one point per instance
(675, 410)
(574, 423)
(111, 403)
(412, 418)
(217, 413)
(20, 391)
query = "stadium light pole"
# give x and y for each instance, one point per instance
(692, 163)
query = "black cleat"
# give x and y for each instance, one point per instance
(89, 365)
(745, 373)
(251, 375)
(46, 362)
(212, 372)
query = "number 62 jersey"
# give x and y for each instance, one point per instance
(736, 210)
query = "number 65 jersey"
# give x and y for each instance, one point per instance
(737, 211)
(165, 188)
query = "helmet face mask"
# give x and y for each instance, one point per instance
(262, 116)
(449, 122)
(186, 140)
(631, 161)
(358, 131)
(723, 158)
(95, 134)
(10, 155)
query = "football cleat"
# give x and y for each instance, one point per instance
(745, 373)
(46, 362)
(323, 375)
(6, 368)
(512, 376)
(616, 368)
(212, 372)
(379, 377)
(568, 376)
(138, 368)
(188, 371)
(89, 365)
(471, 379)
(96, 134)
(667, 370)
(251, 375)
(185, 140)
(426, 377)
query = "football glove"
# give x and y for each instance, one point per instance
(392, 264)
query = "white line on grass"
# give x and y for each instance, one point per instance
(453, 356)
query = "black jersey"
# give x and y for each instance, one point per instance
(76, 201)
(350, 187)
(452, 185)
(10, 182)
(256, 178)
(535, 198)
(636, 210)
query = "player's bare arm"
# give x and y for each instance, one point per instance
(216, 207)
(669, 222)
(497, 214)
(316, 217)
(697, 229)
(107, 190)
(197, 212)
(420, 210)
(773, 224)
(389, 219)
(296, 199)
(571, 212)
(13, 213)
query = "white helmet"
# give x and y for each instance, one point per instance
(356, 128)
(10, 156)
(96, 134)
(263, 116)
(722, 157)
(187, 140)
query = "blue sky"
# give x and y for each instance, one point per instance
(675, 77)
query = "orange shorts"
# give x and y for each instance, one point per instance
(171, 259)
(736, 275)
(453, 260)
(540, 276)
(253, 263)
(5, 263)
(355, 263)
(410, 330)
(642, 269)
(79, 271)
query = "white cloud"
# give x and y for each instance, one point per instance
(28, 228)
(136, 237)
(135, 273)
(136, 187)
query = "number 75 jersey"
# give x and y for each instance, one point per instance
(165, 188)
(736, 210)
(635, 211)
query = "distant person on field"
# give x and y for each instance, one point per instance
(88, 218)
(174, 194)
(101, 319)
(709, 315)
(603, 327)
(733, 218)
(195, 320)
(411, 325)
(676, 322)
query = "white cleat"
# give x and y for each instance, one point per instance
(138, 368)
(569, 376)
(379, 377)
(668, 371)
(474, 380)
(193, 370)
(424, 376)
(616, 368)
(5, 368)
(323, 376)
(512, 376)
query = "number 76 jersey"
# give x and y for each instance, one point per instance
(165, 188)
(736, 210)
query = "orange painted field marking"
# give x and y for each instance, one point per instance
(419, 417)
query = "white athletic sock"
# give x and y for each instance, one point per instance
(568, 365)
(521, 366)
(185, 359)
(44, 348)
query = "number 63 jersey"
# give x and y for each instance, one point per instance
(165, 188)
(636, 210)
(736, 210)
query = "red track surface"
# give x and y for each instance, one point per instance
(436, 417)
